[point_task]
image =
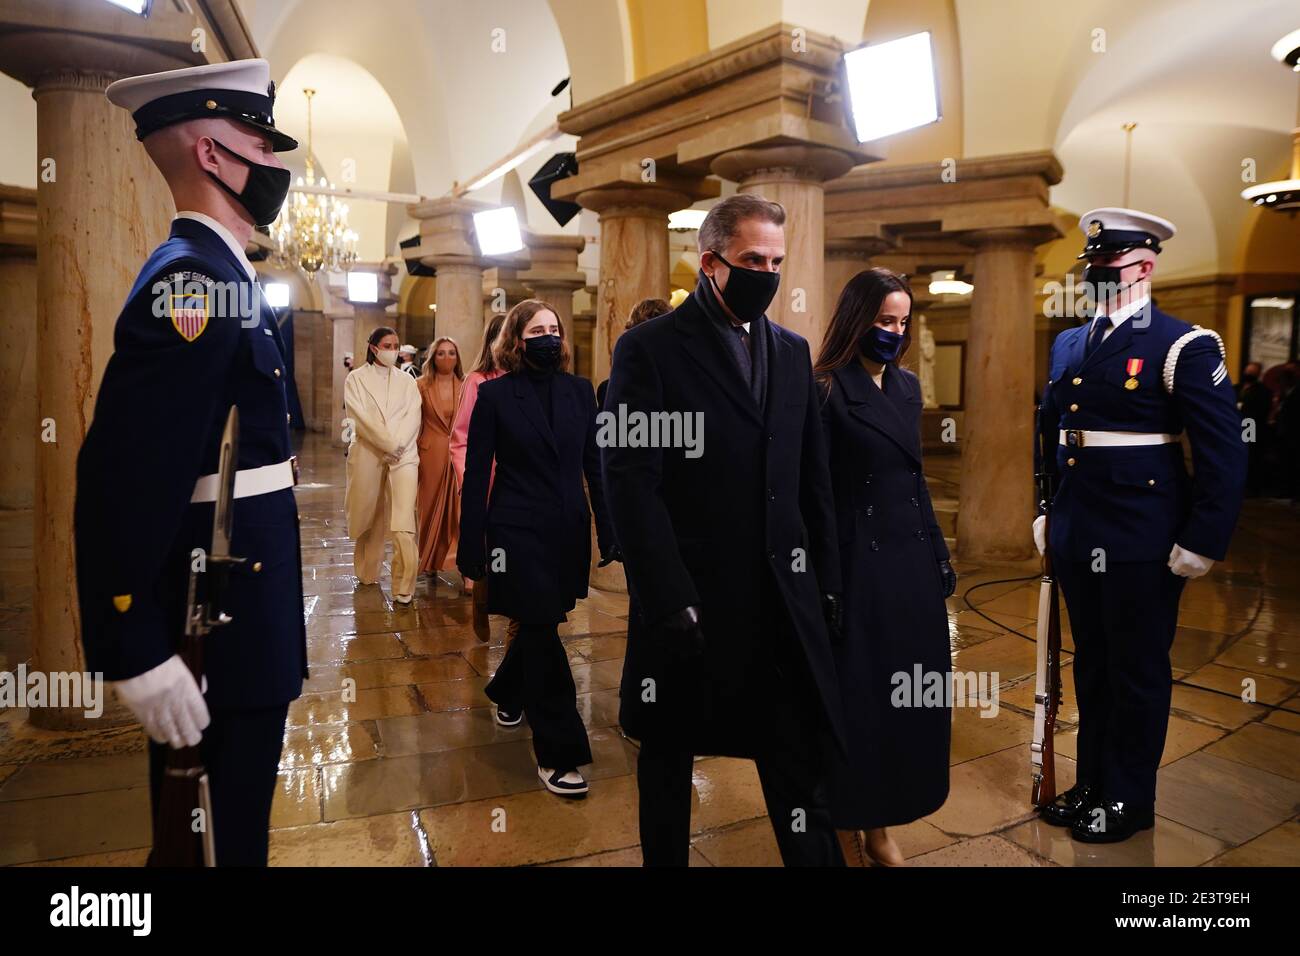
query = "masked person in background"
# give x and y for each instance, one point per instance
(485, 369)
(383, 405)
(895, 570)
(532, 540)
(730, 548)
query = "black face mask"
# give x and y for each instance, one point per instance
(263, 194)
(542, 351)
(749, 292)
(1095, 277)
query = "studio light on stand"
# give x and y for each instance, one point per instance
(890, 87)
(498, 231)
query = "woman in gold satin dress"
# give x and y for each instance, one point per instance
(438, 503)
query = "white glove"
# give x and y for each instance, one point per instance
(1188, 564)
(1040, 533)
(167, 701)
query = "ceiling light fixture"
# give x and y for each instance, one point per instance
(1283, 194)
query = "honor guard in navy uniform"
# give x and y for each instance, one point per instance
(1129, 526)
(194, 338)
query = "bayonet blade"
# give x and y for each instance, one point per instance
(227, 465)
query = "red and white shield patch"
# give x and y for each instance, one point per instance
(189, 315)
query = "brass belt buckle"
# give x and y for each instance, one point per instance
(1074, 438)
(293, 464)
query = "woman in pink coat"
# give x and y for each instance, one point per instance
(484, 370)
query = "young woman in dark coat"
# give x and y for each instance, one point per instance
(532, 540)
(895, 571)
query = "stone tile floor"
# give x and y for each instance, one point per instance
(414, 771)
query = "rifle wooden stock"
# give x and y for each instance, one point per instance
(1047, 682)
(177, 839)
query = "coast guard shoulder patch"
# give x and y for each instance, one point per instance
(189, 315)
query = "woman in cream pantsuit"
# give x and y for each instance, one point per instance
(383, 405)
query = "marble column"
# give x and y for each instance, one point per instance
(18, 426)
(996, 506)
(793, 175)
(554, 276)
(633, 257)
(503, 289)
(98, 218)
(340, 335)
(448, 245)
(845, 258)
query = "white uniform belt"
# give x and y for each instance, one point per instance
(1081, 438)
(250, 481)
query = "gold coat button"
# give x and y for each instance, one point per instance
(1151, 481)
(257, 566)
(1074, 408)
(1078, 381)
(277, 373)
(1070, 462)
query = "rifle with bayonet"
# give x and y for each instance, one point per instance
(182, 836)
(1047, 677)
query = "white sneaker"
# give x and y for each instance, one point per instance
(566, 783)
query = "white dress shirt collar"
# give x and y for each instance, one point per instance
(1124, 312)
(225, 235)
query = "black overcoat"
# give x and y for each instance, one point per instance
(895, 619)
(535, 534)
(751, 511)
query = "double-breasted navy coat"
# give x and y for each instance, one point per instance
(895, 619)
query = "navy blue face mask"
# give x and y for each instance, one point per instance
(881, 345)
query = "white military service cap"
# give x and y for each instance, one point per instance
(409, 349)
(1111, 230)
(240, 90)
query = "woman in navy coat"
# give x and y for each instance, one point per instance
(895, 570)
(532, 539)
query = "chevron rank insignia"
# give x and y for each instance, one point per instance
(1220, 373)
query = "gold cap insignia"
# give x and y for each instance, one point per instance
(122, 602)
(1094, 228)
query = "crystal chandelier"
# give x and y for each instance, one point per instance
(312, 231)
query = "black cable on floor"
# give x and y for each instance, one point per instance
(1259, 605)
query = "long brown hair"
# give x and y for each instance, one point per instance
(508, 352)
(430, 368)
(486, 362)
(855, 312)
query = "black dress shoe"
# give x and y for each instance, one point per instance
(1063, 811)
(1111, 821)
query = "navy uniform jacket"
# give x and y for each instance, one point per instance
(1137, 502)
(156, 429)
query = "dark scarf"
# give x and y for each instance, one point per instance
(721, 324)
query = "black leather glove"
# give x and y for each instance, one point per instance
(613, 554)
(833, 611)
(949, 577)
(682, 634)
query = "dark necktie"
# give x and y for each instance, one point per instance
(746, 360)
(1099, 326)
